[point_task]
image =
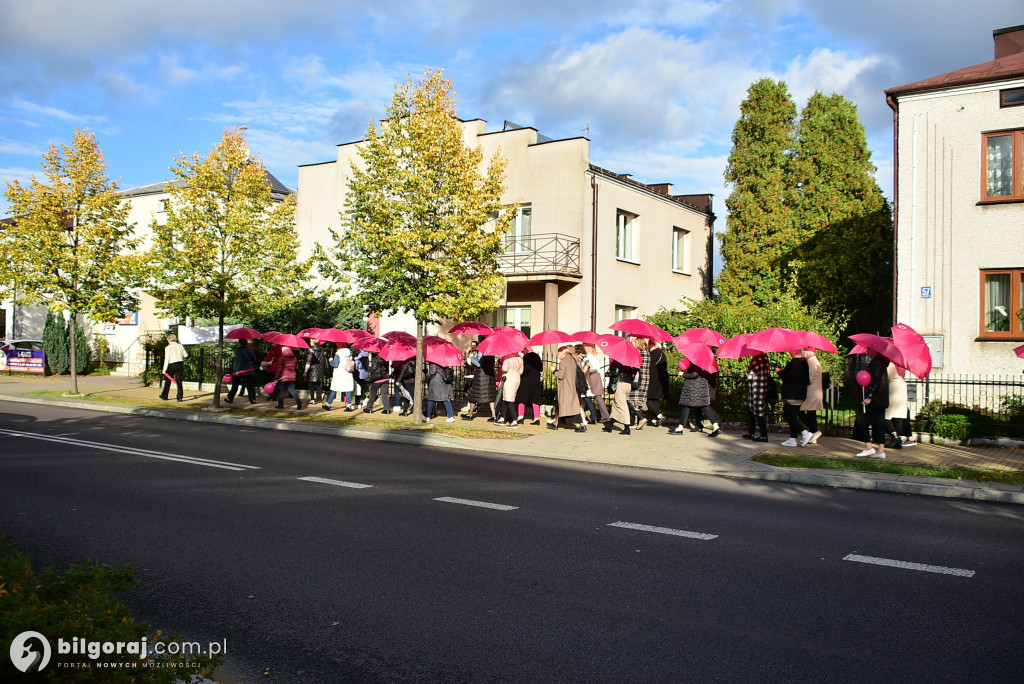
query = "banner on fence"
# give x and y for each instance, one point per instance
(205, 335)
(23, 361)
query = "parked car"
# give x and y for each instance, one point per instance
(35, 345)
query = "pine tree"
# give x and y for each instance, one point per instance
(83, 355)
(760, 227)
(55, 343)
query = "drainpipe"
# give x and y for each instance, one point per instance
(593, 258)
(891, 101)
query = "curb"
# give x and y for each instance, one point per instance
(982, 492)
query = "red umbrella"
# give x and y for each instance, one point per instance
(370, 344)
(271, 336)
(813, 340)
(550, 337)
(335, 335)
(310, 333)
(587, 337)
(503, 343)
(640, 328)
(620, 349)
(357, 332)
(399, 350)
(914, 349)
(508, 329)
(471, 328)
(243, 334)
(776, 340)
(702, 335)
(736, 347)
(697, 353)
(1019, 351)
(442, 352)
(399, 335)
(288, 340)
(881, 345)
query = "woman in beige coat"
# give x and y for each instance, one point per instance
(569, 409)
(511, 372)
(813, 402)
(898, 413)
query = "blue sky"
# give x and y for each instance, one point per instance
(658, 83)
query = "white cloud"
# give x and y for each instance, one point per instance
(34, 110)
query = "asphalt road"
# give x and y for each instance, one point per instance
(412, 564)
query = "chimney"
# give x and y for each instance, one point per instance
(1009, 41)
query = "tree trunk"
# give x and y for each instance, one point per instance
(417, 394)
(220, 362)
(74, 359)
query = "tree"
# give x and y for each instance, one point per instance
(55, 343)
(423, 228)
(70, 245)
(760, 226)
(228, 247)
(843, 259)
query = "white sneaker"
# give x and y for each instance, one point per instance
(879, 455)
(866, 453)
(805, 437)
(814, 438)
(450, 419)
(910, 443)
(789, 442)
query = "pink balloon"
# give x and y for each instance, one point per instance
(683, 364)
(269, 388)
(863, 378)
(226, 379)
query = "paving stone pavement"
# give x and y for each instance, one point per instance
(727, 455)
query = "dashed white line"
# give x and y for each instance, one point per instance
(909, 566)
(479, 504)
(193, 460)
(663, 530)
(336, 483)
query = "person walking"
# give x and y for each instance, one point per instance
(316, 370)
(593, 367)
(174, 367)
(244, 372)
(483, 388)
(795, 379)
(696, 394)
(657, 388)
(871, 423)
(760, 395)
(287, 372)
(377, 378)
(407, 384)
(342, 380)
(813, 402)
(531, 387)
(511, 375)
(269, 366)
(620, 385)
(641, 383)
(439, 388)
(587, 397)
(569, 410)
(897, 414)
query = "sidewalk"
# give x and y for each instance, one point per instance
(725, 456)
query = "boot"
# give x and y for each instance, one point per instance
(625, 431)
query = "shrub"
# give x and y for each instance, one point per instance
(953, 426)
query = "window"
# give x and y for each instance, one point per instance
(165, 205)
(622, 313)
(624, 223)
(1011, 98)
(1002, 296)
(680, 250)
(517, 317)
(517, 239)
(1001, 165)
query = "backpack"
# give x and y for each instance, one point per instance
(447, 375)
(582, 386)
(378, 368)
(771, 394)
(349, 365)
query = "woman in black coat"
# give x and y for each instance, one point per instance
(796, 376)
(530, 386)
(484, 388)
(658, 384)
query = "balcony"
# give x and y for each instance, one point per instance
(548, 256)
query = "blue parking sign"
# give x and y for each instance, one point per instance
(926, 293)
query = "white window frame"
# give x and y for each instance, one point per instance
(623, 312)
(516, 318)
(518, 239)
(680, 250)
(625, 236)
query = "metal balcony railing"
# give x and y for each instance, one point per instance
(539, 254)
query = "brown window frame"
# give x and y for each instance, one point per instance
(1016, 146)
(1016, 331)
(1010, 91)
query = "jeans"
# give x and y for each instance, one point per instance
(283, 390)
(334, 393)
(447, 408)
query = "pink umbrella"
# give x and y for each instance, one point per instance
(817, 341)
(776, 340)
(503, 343)
(357, 332)
(640, 328)
(697, 353)
(587, 337)
(399, 335)
(471, 328)
(243, 334)
(736, 347)
(370, 344)
(1019, 351)
(310, 333)
(508, 329)
(881, 345)
(442, 352)
(914, 349)
(271, 336)
(702, 335)
(335, 335)
(620, 349)
(550, 337)
(399, 350)
(287, 340)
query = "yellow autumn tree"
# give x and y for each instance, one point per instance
(424, 226)
(69, 245)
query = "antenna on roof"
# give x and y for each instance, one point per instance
(586, 129)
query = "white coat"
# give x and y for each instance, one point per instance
(342, 380)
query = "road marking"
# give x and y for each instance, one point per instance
(336, 483)
(160, 455)
(910, 566)
(480, 504)
(663, 530)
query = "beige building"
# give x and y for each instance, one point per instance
(960, 210)
(588, 247)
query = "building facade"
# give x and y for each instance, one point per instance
(959, 143)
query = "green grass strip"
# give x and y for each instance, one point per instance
(873, 466)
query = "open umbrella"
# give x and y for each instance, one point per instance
(697, 353)
(1019, 351)
(399, 350)
(370, 344)
(335, 335)
(442, 352)
(471, 328)
(399, 335)
(637, 327)
(879, 344)
(508, 329)
(914, 349)
(736, 347)
(271, 336)
(357, 332)
(550, 337)
(503, 343)
(309, 333)
(813, 340)
(288, 340)
(776, 340)
(243, 334)
(620, 349)
(586, 337)
(702, 335)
